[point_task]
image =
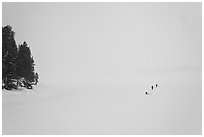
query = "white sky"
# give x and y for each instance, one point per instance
(82, 38)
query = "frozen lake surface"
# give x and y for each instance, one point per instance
(108, 104)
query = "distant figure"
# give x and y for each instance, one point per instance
(152, 87)
(156, 85)
(146, 93)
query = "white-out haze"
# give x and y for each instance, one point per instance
(95, 62)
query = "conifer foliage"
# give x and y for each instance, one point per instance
(17, 63)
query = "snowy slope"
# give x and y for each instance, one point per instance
(112, 105)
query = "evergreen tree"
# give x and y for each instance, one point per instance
(25, 66)
(17, 63)
(9, 54)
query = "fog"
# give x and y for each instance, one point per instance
(95, 62)
(83, 38)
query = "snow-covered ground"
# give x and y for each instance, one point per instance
(108, 104)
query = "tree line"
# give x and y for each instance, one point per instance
(17, 62)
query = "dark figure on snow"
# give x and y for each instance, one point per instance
(146, 93)
(152, 87)
(156, 85)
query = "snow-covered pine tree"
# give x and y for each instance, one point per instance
(9, 54)
(17, 63)
(25, 66)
